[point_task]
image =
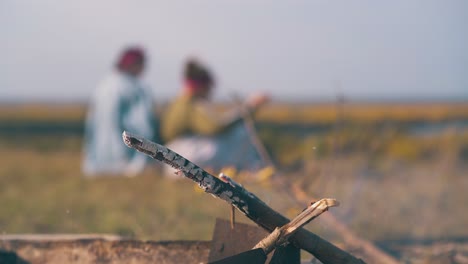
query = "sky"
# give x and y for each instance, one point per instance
(55, 50)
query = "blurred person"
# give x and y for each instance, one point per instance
(120, 102)
(192, 127)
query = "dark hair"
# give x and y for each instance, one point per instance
(194, 71)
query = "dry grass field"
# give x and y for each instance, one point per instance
(400, 172)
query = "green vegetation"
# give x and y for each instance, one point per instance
(44, 192)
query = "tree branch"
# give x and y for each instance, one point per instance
(249, 204)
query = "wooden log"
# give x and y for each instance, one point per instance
(249, 204)
(371, 250)
(228, 242)
(84, 249)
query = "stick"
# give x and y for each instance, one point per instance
(233, 217)
(280, 236)
(249, 124)
(349, 237)
(249, 204)
(227, 179)
(373, 253)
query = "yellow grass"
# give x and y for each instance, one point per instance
(326, 113)
(390, 184)
(275, 112)
(43, 112)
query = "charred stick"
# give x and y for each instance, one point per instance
(249, 204)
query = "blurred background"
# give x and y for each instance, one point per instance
(370, 106)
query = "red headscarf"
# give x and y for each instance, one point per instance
(129, 57)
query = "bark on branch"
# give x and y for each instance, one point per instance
(246, 202)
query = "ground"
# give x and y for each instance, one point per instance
(399, 171)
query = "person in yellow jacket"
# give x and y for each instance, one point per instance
(192, 126)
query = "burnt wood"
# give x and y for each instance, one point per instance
(227, 241)
(249, 204)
